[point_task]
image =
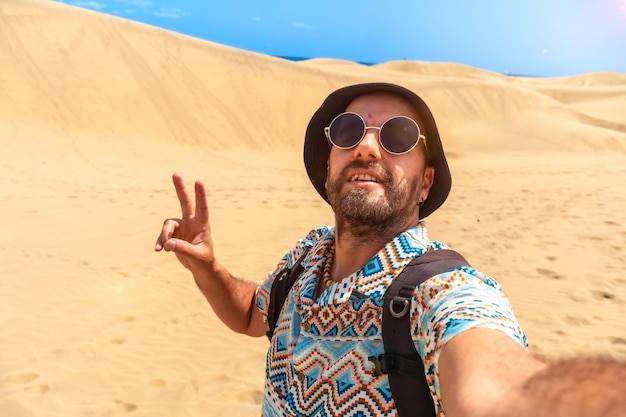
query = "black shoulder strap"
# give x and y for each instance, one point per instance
(400, 361)
(280, 288)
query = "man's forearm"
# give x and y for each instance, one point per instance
(485, 373)
(232, 300)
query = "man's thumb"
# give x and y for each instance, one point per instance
(170, 245)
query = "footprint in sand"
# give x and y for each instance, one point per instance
(549, 273)
(39, 389)
(22, 379)
(604, 295)
(577, 321)
(125, 407)
(250, 397)
(19, 379)
(586, 294)
(157, 383)
(121, 320)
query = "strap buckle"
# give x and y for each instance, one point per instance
(378, 365)
(405, 306)
(391, 363)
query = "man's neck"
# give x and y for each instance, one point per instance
(353, 252)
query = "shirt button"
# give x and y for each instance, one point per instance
(306, 327)
(301, 377)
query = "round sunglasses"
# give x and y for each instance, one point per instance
(398, 135)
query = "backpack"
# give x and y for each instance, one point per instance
(400, 361)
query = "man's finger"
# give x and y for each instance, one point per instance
(158, 246)
(202, 207)
(167, 231)
(186, 205)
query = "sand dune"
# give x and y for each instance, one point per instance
(96, 113)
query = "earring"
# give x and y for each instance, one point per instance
(421, 202)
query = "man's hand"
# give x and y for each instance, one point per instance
(189, 237)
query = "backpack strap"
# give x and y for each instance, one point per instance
(401, 361)
(280, 289)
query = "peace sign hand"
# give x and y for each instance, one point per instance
(190, 237)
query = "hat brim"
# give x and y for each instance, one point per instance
(317, 148)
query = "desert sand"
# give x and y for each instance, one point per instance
(97, 112)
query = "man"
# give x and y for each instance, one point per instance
(374, 153)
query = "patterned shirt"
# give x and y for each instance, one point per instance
(317, 363)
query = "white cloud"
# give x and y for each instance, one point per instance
(133, 7)
(299, 25)
(170, 13)
(136, 3)
(94, 5)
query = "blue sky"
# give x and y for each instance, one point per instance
(524, 37)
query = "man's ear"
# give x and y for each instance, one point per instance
(427, 182)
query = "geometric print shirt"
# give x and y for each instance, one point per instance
(317, 362)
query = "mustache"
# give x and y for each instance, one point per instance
(369, 165)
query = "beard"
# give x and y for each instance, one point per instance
(366, 215)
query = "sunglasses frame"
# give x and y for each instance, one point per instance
(379, 128)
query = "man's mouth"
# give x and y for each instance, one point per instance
(363, 177)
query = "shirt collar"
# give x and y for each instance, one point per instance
(374, 278)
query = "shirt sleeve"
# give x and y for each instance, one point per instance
(453, 302)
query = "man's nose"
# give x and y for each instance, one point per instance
(369, 147)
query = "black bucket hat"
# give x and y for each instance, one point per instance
(317, 148)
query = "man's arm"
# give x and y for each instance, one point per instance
(483, 372)
(233, 300)
(189, 237)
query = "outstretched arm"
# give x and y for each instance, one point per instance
(189, 237)
(483, 372)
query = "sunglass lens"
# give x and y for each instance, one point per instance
(399, 134)
(347, 130)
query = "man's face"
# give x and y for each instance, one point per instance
(370, 189)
